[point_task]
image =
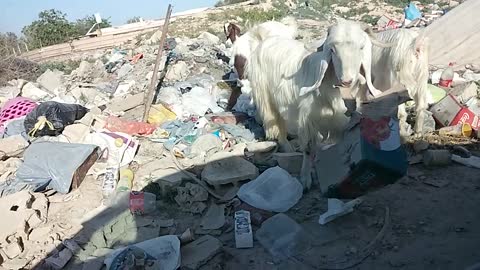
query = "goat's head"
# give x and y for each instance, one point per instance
(349, 48)
(232, 31)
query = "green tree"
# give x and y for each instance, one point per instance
(52, 27)
(133, 20)
(82, 26)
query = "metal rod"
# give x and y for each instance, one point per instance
(153, 83)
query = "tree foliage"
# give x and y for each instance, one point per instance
(82, 26)
(52, 27)
(133, 20)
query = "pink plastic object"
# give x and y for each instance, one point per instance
(15, 108)
(115, 124)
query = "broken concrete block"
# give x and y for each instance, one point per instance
(261, 147)
(59, 260)
(31, 91)
(228, 170)
(51, 80)
(177, 72)
(291, 162)
(39, 234)
(76, 133)
(209, 39)
(15, 211)
(214, 218)
(13, 249)
(121, 104)
(12, 146)
(199, 252)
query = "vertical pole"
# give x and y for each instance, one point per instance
(153, 83)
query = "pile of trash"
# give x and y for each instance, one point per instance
(198, 153)
(416, 15)
(63, 129)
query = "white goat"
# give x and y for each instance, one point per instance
(406, 63)
(295, 90)
(245, 44)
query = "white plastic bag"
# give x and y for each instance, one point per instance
(274, 190)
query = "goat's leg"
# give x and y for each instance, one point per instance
(421, 106)
(306, 171)
(405, 129)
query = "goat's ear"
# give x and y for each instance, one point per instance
(421, 43)
(321, 74)
(367, 68)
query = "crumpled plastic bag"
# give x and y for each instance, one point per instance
(198, 101)
(274, 190)
(165, 249)
(412, 12)
(116, 124)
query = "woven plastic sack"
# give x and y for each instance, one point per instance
(15, 108)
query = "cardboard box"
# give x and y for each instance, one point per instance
(369, 156)
(449, 112)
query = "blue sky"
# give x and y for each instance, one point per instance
(15, 14)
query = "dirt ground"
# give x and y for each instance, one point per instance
(426, 227)
(430, 227)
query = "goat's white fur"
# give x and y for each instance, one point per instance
(294, 89)
(406, 63)
(246, 43)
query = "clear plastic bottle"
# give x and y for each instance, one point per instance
(447, 76)
(109, 182)
(125, 182)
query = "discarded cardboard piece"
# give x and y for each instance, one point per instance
(370, 155)
(449, 112)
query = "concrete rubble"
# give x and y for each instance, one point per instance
(192, 154)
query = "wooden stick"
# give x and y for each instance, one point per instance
(153, 84)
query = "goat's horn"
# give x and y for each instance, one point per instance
(374, 39)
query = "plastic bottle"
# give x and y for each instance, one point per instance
(141, 203)
(447, 76)
(125, 182)
(109, 182)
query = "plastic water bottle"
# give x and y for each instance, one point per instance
(447, 76)
(109, 182)
(126, 180)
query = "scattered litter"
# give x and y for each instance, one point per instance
(472, 161)
(50, 118)
(60, 166)
(163, 252)
(274, 190)
(116, 124)
(243, 229)
(336, 209)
